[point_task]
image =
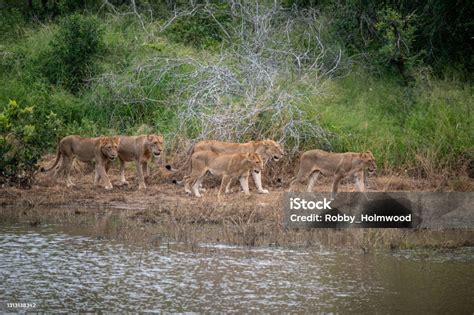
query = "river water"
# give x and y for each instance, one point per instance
(54, 271)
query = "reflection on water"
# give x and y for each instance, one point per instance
(57, 271)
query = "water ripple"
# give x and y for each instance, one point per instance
(61, 272)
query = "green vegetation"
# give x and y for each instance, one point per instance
(24, 137)
(69, 59)
(338, 75)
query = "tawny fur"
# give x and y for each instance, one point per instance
(229, 166)
(339, 165)
(100, 150)
(267, 149)
(140, 149)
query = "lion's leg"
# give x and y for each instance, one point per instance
(145, 169)
(244, 183)
(257, 178)
(292, 184)
(96, 177)
(312, 179)
(194, 180)
(335, 184)
(227, 187)
(196, 186)
(141, 180)
(100, 171)
(107, 166)
(67, 164)
(365, 179)
(187, 184)
(360, 181)
(196, 175)
(300, 178)
(123, 180)
(224, 182)
(59, 171)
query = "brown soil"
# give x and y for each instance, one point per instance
(164, 209)
(161, 190)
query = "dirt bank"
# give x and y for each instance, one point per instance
(164, 211)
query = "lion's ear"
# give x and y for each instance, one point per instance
(369, 155)
(116, 139)
(149, 137)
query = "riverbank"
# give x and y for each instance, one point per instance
(163, 212)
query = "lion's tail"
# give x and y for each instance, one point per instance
(58, 156)
(186, 164)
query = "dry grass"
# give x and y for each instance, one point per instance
(164, 213)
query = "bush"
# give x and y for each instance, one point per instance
(25, 134)
(200, 29)
(11, 24)
(70, 59)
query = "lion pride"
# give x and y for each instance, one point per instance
(267, 149)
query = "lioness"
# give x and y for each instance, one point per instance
(229, 166)
(267, 149)
(139, 149)
(99, 150)
(339, 165)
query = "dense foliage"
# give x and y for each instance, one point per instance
(70, 57)
(391, 76)
(25, 134)
(403, 34)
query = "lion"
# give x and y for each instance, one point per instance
(139, 149)
(100, 150)
(229, 166)
(267, 149)
(339, 165)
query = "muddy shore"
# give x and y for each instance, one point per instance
(163, 212)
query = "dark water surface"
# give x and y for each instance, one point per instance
(56, 271)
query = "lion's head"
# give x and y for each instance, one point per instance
(255, 161)
(369, 161)
(109, 147)
(271, 150)
(154, 143)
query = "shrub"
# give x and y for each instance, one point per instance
(25, 134)
(201, 29)
(11, 24)
(70, 59)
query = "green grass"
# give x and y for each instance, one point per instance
(404, 125)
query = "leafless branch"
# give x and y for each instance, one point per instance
(251, 89)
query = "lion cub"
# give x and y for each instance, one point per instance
(229, 166)
(339, 165)
(100, 150)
